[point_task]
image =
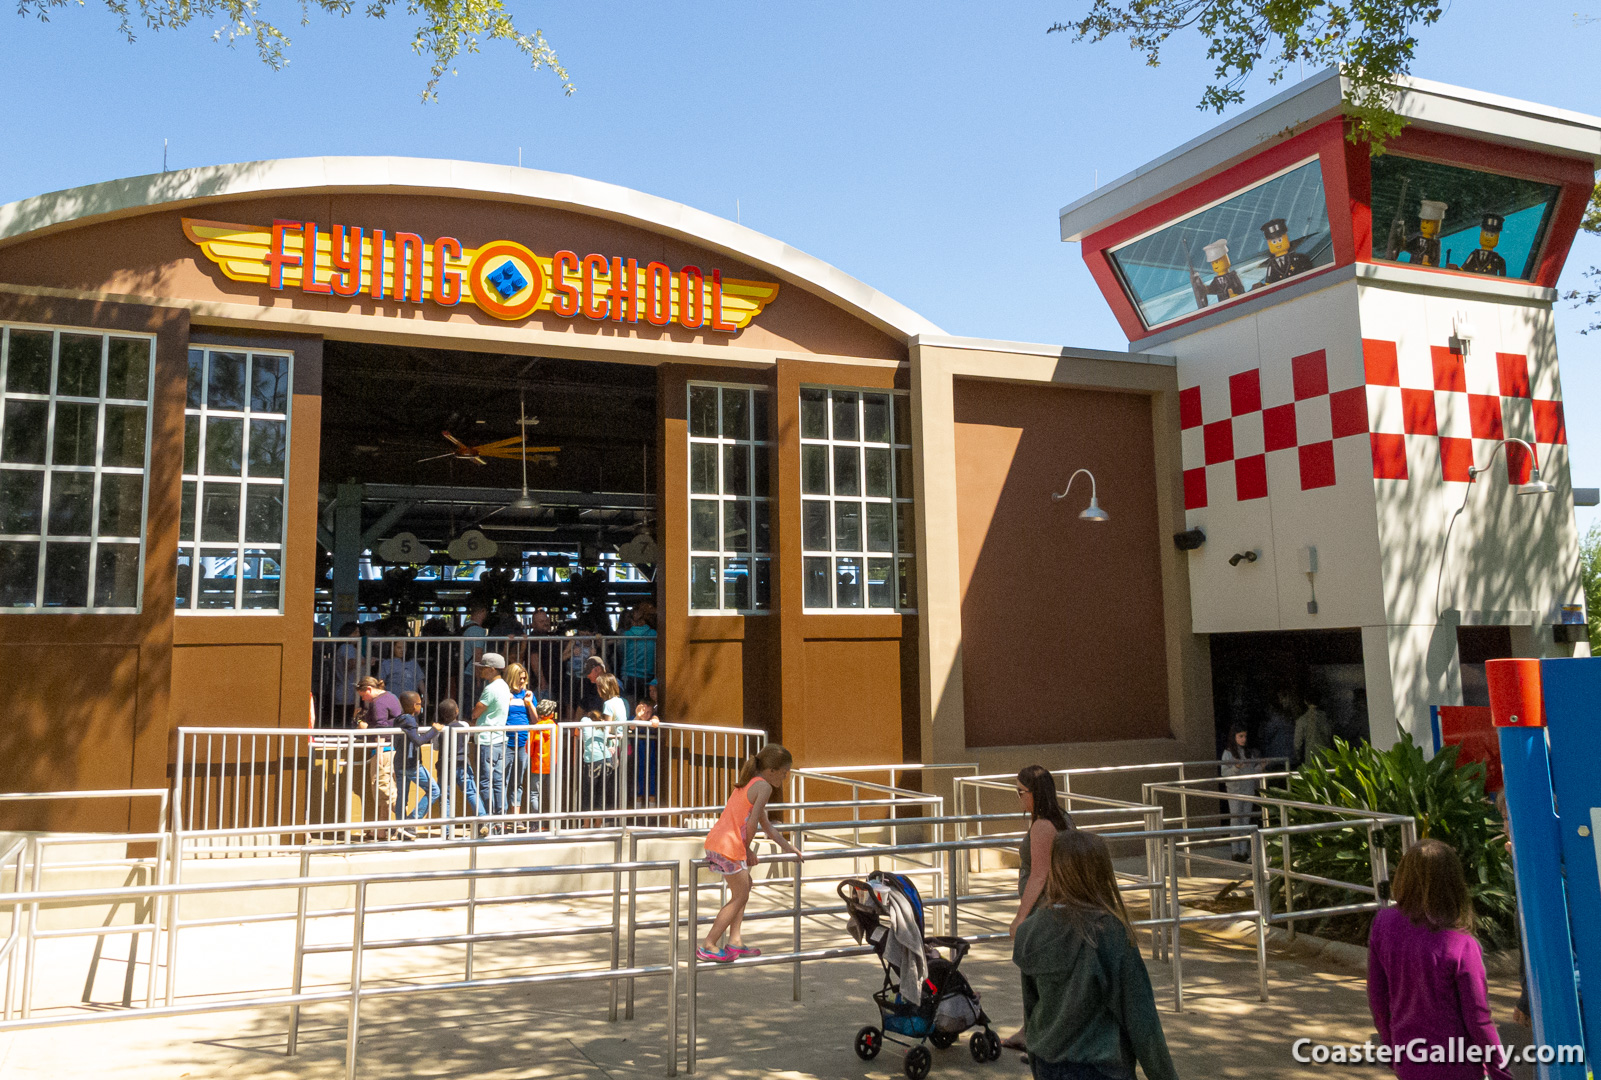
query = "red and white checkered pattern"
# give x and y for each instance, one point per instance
(1310, 424)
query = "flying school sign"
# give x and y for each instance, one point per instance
(503, 278)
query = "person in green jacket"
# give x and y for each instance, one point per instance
(1089, 1011)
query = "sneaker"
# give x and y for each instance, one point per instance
(736, 951)
(406, 834)
(720, 956)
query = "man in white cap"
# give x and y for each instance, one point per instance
(1226, 284)
(1423, 246)
(494, 703)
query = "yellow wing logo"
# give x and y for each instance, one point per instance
(240, 252)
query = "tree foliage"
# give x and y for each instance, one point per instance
(1371, 40)
(444, 29)
(1589, 295)
(1590, 578)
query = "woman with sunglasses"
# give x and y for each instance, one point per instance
(1036, 791)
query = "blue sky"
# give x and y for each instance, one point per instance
(922, 147)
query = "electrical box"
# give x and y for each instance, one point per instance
(1308, 557)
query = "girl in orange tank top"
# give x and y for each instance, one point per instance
(729, 850)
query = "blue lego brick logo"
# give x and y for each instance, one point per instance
(507, 279)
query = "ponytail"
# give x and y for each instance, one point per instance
(770, 758)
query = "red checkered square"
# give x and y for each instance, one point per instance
(1548, 424)
(1518, 464)
(1250, 477)
(1245, 392)
(1317, 465)
(1484, 415)
(1194, 489)
(1311, 375)
(1448, 371)
(1513, 370)
(1389, 456)
(1417, 412)
(1219, 441)
(1190, 408)
(1348, 411)
(1278, 427)
(1456, 457)
(1379, 362)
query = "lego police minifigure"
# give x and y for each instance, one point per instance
(1226, 285)
(1485, 260)
(1423, 246)
(1282, 262)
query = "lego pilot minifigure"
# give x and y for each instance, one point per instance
(1423, 246)
(1226, 284)
(1282, 262)
(1485, 259)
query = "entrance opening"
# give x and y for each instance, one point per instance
(1265, 680)
(484, 504)
(426, 443)
(1475, 645)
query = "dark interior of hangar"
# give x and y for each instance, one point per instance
(551, 461)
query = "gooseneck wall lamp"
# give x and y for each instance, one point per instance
(1533, 486)
(1093, 511)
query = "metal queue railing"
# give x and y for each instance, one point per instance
(359, 945)
(1372, 824)
(442, 667)
(241, 791)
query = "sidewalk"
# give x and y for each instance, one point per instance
(749, 1027)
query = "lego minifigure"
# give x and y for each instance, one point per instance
(1423, 246)
(1282, 262)
(1485, 260)
(1226, 284)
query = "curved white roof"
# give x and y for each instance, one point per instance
(135, 195)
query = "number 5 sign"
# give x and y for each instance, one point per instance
(404, 548)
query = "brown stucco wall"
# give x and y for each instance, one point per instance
(1061, 618)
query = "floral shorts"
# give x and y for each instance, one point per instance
(723, 864)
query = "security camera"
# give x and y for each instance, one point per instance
(1242, 556)
(1189, 539)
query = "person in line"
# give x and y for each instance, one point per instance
(1313, 733)
(638, 665)
(519, 716)
(1036, 792)
(544, 655)
(644, 741)
(1241, 762)
(590, 699)
(1089, 1010)
(541, 747)
(730, 850)
(453, 731)
(489, 764)
(476, 627)
(413, 736)
(400, 670)
(1426, 970)
(600, 744)
(346, 670)
(378, 710)
(1278, 731)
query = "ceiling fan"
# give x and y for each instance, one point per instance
(514, 448)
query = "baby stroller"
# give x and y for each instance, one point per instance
(879, 907)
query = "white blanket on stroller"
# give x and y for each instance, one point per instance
(904, 949)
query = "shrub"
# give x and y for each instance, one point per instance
(1448, 802)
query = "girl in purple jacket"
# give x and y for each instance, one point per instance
(1426, 983)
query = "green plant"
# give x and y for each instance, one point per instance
(1447, 801)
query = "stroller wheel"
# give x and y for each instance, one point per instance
(979, 1047)
(918, 1062)
(941, 1039)
(869, 1041)
(993, 1042)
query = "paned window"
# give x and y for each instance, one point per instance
(74, 449)
(730, 536)
(235, 461)
(856, 505)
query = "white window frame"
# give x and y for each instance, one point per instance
(98, 469)
(195, 547)
(722, 554)
(901, 503)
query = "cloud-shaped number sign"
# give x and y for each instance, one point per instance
(404, 548)
(471, 546)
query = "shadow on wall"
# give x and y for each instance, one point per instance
(1062, 628)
